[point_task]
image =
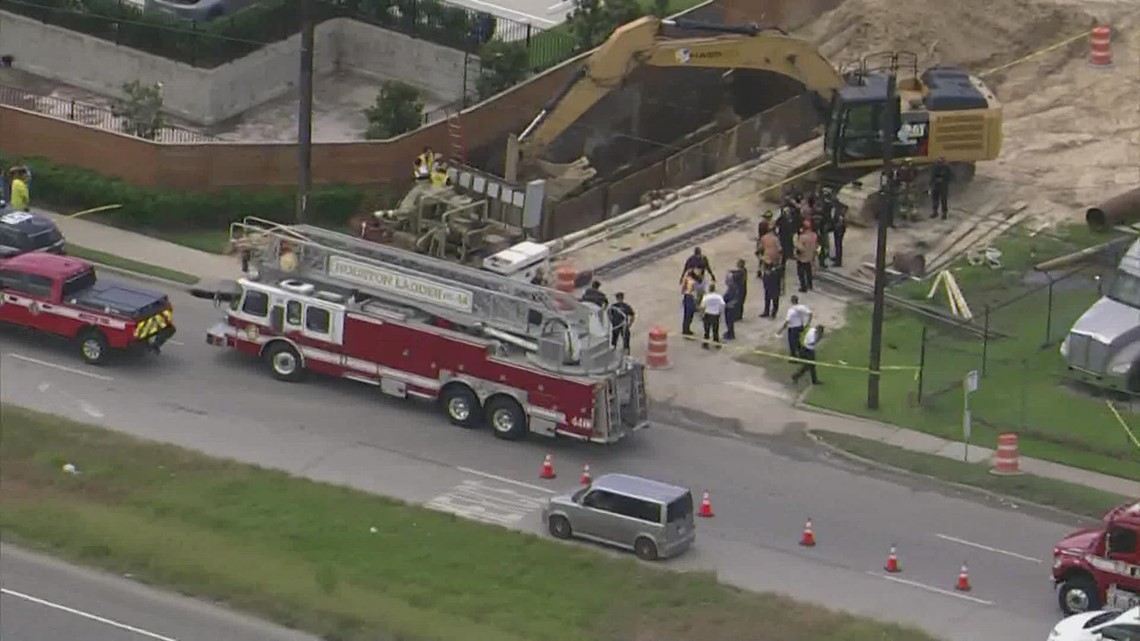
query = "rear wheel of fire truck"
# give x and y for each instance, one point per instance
(507, 418)
(461, 405)
(284, 361)
(1078, 594)
(93, 346)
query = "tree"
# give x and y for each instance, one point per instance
(141, 109)
(661, 8)
(399, 109)
(504, 65)
(592, 21)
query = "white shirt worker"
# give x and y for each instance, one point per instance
(712, 304)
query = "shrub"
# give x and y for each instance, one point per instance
(145, 208)
(399, 108)
(505, 64)
(592, 21)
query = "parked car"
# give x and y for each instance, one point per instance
(1101, 625)
(22, 232)
(653, 519)
(196, 10)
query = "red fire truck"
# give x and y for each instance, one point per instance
(1100, 566)
(487, 347)
(60, 295)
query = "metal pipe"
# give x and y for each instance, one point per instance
(1121, 209)
(510, 338)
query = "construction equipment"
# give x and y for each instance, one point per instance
(533, 358)
(942, 112)
(438, 221)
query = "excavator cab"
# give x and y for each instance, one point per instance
(942, 112)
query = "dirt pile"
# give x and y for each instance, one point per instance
(976, 34)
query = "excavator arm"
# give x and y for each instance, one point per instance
(641, 43)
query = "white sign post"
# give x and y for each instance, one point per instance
(969, 386)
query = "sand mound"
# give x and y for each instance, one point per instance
(976, 34)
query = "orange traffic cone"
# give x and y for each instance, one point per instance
(892, 565)
(706, 506)
(586, 474)
(808, 539)
(547, 467)
(963, 580)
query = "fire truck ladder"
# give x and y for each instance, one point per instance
(469, 297)
(456, 139)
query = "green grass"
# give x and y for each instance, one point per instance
(302, 553)
(1023, 388)
(1077, 499)
(118, 262)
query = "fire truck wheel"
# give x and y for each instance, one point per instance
(506, 417)
(461, 405)
(1078, 594)
(93, 346)
(284, 361)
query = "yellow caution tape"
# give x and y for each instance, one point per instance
(94, 210)
(795, 359)
(1124, 425)
(1084, 34)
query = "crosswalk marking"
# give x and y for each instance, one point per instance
(485, 502)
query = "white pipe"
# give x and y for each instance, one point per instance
(510, 338)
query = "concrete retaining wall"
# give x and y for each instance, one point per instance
(208, 96)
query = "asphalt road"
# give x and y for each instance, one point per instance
(42, 599)
(543, 14)
(338, 431)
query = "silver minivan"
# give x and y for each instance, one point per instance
(653, 519)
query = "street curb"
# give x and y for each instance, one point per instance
(820, 440)
(158, 280)
(692, 420)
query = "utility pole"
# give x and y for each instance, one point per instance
(889, 127)
(305, 113)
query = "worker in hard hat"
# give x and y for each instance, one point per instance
(424, 165)
(439, 175)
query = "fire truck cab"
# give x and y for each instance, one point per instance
(1099, 567)
(61, 295)
(491, 349)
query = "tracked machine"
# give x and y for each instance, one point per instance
(488, 348)
(942, 112)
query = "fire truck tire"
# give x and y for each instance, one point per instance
(93, 346)
(1078, 594)
(461, 405)
(507, 418)
(284, 362)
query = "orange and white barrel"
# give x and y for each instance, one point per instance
(1006, 461)
(564, 277)
(1100, 46)
(657, 354)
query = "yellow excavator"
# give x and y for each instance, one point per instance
(943, 112)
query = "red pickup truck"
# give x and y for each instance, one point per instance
(61, 295)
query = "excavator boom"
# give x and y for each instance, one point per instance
(641, 43)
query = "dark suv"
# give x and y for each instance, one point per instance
(22, 232)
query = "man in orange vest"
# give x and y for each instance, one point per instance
(807, 247)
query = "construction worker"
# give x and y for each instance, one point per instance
(439, 175)
(595, 296)
(807, 246)
(424, 165)
(906, 176)
(712, 306)
(691, 291)
(698, 261)
(838, 229)
(940, 178)
(799, 316)
(621, 321)
(20, 199)
(807, 352)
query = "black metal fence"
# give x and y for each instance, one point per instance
(229, 37)
(89, 115)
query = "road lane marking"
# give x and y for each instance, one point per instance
(987, 548)
(86, 615)
(503, 479)
(62, 368)
(481, 501)
(931, 588)
(496, 7)
(174, 342)
(559, 5)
